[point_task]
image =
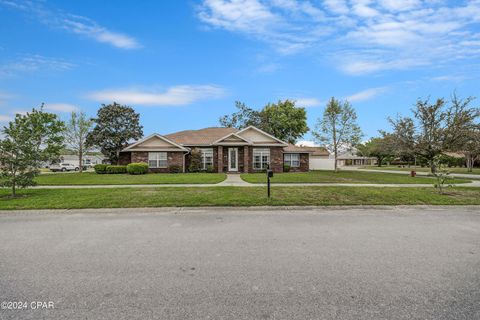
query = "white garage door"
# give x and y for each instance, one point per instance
(321, 163)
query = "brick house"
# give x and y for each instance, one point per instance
(223, 149)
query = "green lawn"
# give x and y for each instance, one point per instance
(232, 196)
(91, 178)
(340, 177)
(420, 169)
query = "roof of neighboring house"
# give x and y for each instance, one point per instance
(200, 137)
(353, 157)
(455, 154)
(315, 151)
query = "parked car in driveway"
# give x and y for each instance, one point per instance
(63, 167)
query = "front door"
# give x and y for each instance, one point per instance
(233, 159)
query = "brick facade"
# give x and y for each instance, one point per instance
(124, 158)
(304, 164)
(246, 158)
(220, 159)
(276, 159)
(173, 158)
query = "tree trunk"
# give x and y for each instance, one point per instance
(335, 152)
(469, 163)
(433, 167)
(80, 159)
(335, 145)
(14, 190)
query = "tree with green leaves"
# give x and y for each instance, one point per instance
(380, 148)
(437, 127)
(195, 161)
(338, 127)
(282, 119)
(471, 148)
(404, 138)
(77, 129)
(115, 126)
(29, 141)
(244, 117)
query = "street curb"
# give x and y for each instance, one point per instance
(190, 210)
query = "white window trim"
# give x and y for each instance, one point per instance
(204, 151)
(262, 152)
(290, 160)
(158, 157)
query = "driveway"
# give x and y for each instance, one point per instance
(335, 263)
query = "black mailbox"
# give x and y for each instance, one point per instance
(270, 173)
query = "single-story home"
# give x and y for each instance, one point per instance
(351, 157)
(223, 149)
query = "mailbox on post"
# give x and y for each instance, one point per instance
(269, 175)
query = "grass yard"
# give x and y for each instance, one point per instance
(91, 178)
(420, 169)
(233, 196)
(341, 177)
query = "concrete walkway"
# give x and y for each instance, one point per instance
(233, 180)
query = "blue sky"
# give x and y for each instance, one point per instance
(182, 64)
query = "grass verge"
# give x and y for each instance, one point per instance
(233, 196)
(342, 177)
(91, 178)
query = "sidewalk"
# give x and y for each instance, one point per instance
(419, 173)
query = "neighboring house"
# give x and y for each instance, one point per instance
(88, 160)
(350, 157)
(223, 149)
(319, 158)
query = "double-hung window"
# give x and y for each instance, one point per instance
(207, 157)
(292, 159)
(261, 159)
(157, 159)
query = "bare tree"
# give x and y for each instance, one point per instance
(338, 126)
(78, 127)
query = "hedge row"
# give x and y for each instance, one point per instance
(133, 168)
(137, 168)
(109, 169)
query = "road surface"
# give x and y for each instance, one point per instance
(337, 263)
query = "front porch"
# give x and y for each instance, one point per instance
(233, 159)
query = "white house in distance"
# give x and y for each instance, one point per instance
(321, 158)
(88, 160)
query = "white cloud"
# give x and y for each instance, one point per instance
(33, 63)
(60, 107)
(257, 19)
(173, 96)
(73, 23)
(402, 5)
(92, 30)
(358, 36)
(306, 143)
(308, 102)
(366, 94)
(336, 6)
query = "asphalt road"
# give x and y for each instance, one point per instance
(390, 263)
